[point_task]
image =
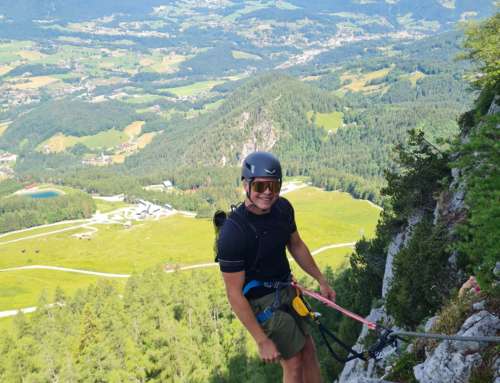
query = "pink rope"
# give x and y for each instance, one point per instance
(333, 305)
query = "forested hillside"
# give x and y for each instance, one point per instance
(75, 118)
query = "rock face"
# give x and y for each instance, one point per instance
(358, 371)
(453, 361)
(397, 243)
(260, 133)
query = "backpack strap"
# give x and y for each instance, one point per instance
(241, 221)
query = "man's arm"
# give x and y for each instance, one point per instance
(302, 255)
(234, 289)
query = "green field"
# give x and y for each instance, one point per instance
(323, 218)
(250, 6)
(34, 231)
(194, 89)
(328, 121)
(144, 99)
(19, 288)
(117, 249)
(106, 206)
(240, 55)
(106, 139)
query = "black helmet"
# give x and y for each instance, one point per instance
(261, 164)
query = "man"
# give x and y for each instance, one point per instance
(251, 252)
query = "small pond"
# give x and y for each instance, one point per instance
(44, 194)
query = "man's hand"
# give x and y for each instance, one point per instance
(268, 351)
(326, 291)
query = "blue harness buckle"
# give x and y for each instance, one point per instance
(269, 311)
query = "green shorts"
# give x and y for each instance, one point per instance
(285, 328)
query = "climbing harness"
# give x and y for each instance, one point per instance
(276, 305)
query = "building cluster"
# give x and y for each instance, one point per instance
(100, 160)
(166, 185)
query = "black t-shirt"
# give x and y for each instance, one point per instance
(237, 245)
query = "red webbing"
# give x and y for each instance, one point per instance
(333, 305)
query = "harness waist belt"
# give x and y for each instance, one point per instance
(269, 284)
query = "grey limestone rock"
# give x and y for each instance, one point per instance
(453, 361)
(359, 371)
(397, 243)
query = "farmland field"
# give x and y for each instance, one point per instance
(107, 206)
(328, 121)
(134, 129)
(35, 231)
(34, 82)
(244, 55)
(105, 139)
(358, 82)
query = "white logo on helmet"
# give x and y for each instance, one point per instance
(270, 172)
(252, 169)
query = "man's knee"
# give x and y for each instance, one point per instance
(309, 357)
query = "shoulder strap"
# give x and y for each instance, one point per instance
(241, 220)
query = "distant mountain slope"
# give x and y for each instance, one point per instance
(268, 113)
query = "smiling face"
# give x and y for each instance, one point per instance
(264, 192)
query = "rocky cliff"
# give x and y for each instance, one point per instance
(445, 361)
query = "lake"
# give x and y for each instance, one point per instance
(44, 194)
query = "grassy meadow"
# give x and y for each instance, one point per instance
(106, 139)
(328, 121)
(359, 82)
(323, 218)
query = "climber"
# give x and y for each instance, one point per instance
(252, 257)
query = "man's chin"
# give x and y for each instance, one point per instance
(265, 205)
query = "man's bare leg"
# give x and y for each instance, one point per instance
(310, 364)
(292, 369)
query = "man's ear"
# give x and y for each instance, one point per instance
(246, 185)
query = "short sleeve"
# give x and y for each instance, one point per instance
(231, 248)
